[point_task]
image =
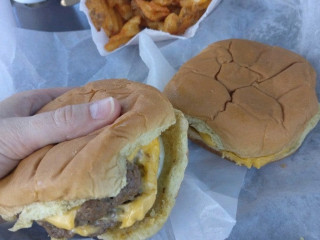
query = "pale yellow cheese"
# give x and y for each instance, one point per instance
(85, 230)
(248, 162)
(207, 139)
(65, 220)
(131, 212)
(136, 210)
(257, 162)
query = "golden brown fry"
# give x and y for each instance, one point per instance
(166, 2)
(171, 23)
(174, 9)
(112, 3)
(97, 11)
(113, 21)
(104, 16)
(153, 25)
(186, 3)
(122, 19)
(187, 18)
(201, 5)
(125, 10)
(117, 2)
(123, 7)
(195, 5)
(129, 30)
(150, 10)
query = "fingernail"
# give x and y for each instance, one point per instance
(102, 109)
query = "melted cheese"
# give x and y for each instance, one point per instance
(248, 162)
(65, 220)
(257, 162)
(207, 139)
(131, 212)
(136, 210)
(85, 230)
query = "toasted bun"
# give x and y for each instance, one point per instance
(61, 176)
(255, 102)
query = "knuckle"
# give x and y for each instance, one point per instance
(11, 143)
(64, 116)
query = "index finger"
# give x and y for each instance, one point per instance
(29, 102)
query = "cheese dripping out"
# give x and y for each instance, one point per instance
(130, 212)
(248, 162)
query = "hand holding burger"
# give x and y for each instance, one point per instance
(22, 132)
(119, 181)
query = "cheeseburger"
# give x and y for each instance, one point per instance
(247, 101)
(109, 183)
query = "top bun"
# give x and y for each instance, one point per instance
(254, 100)
(92, 166)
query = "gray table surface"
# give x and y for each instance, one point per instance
(281, 200)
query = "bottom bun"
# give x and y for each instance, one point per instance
(214, 145)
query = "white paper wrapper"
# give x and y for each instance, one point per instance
(100, 38)
(276, 202)
(71, 59)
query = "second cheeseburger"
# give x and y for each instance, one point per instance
(108, 183)
(250, 102)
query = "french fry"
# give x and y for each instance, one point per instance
(195, 5)
(125, 10)
(154, 25)
(166, 2)
(123, 19)
(174, 9)
(113, 22)
(171, 23)
(113, 3)
(187, 18)
(129, 30)
(150, 10)
(97, 12)
(104, 16)
(203, 4)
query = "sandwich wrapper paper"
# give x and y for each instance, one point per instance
(217, 199)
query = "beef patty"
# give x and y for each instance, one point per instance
(101, 213)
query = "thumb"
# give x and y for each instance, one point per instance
(31, 133)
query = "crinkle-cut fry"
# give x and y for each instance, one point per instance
(125, 10)
(171, 23)
(97, 11)
(129, 30)
(112, 3)
(151, 10)
(104, 16)
(123, 19)
(123, 7)
(195, 5)
(167, 2)
(113, 22)
(154, 25)
(174, 9)
(187, 18)
(117, 2)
